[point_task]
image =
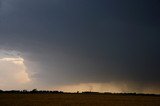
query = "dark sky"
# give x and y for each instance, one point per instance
(84, 41)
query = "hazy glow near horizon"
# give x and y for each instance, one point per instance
(114, 87)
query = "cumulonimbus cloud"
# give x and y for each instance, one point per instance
(12, 71)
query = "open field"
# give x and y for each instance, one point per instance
(77, 100)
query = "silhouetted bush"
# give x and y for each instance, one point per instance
(88, 92)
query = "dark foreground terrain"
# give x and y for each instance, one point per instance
(77, 100)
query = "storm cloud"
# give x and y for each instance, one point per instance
(84, 41)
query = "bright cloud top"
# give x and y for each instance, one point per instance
(18, 61)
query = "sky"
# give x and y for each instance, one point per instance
(80, 45)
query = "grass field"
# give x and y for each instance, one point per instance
(77, 100)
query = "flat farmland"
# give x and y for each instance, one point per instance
(77, 100)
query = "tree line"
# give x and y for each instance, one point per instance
(35, 91)
(31, 91)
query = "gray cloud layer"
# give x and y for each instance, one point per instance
(74, 41)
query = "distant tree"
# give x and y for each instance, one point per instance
(24, 91)
(34, 90)
(1, 91)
